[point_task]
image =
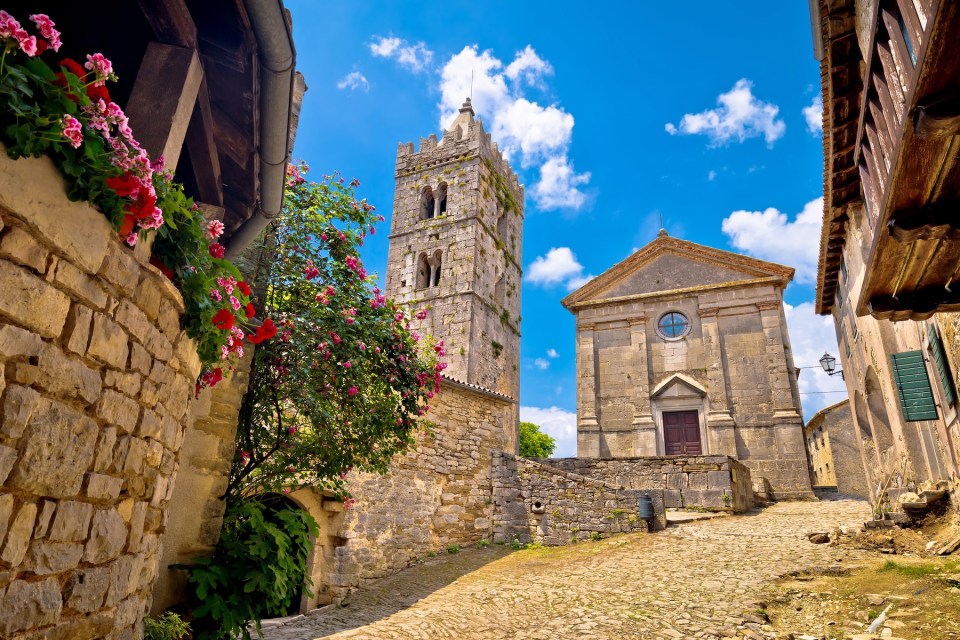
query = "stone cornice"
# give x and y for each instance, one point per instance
(643, 297)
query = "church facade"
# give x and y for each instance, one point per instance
(683, 350)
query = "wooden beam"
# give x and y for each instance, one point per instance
(939, 117)
(203, 150)
(163, 99)
(171, 22)
(929, 223)
(916, 305)
(909, 14)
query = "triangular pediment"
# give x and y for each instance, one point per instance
(670, 265)
(678, 386)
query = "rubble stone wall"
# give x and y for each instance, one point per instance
(718, 483)
(535, 502)
(96, 379)
(437, 495)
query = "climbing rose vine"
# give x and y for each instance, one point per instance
(346, 383)
(65, 112)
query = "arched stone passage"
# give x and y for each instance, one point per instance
(868, 446)
(322, 562)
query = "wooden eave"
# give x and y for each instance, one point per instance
(841, 88)
(914, 260)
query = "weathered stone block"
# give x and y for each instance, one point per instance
(18, 536)
(29, 605)
(8, 456)
(86, 588)
(19, 246)
(108, 342)
(31, 302)
(53, 557)
(108, 535)
(6, 510)
(80, 285)
(140, 359)
(76, 331)
(43, 519)
(72, 521)
(108, 437)
(121, 270)
(117, 409)
(67, 377)
(58, 447)
(101, 487)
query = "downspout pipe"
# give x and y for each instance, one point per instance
(277, 79)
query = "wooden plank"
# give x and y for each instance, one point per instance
(161, 103)
(870, 190)
(203, 150)
(877, 181)
(894, 109)
(898, 47)
(892, 76)
(882, 162)
(909, 13)
(887, 142)
(171, 22)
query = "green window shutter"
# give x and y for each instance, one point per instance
(913, 386)
(943, 367)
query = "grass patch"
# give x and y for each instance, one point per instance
(909, 570)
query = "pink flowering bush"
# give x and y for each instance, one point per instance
(65, 112)
(347, 384)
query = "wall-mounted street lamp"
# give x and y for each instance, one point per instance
(829, 364)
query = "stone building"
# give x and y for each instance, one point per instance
(889, 244)
(683, 350)
(456, 235)
(833, 446)
(96, 374)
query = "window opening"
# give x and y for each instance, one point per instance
(673, 325)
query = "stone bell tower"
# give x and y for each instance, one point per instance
(455, 249)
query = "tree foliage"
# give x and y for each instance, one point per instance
(534, 443)
(346, 383)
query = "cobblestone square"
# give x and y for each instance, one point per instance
(696, 580)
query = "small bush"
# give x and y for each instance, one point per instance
(483, 544)
(454, 548)
(595, 536)
(169, 626)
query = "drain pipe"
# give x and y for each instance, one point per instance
(277, 87)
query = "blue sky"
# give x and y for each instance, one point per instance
(614, 115)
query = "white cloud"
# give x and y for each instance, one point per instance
(559, 265)
(529, 66)
(552, 353)
(353, 81)
(560, 424)
(813, 114)
(711, 175)
(415, 57)
(740, 116)
(810, 336)
(542, 364)
(771, 235)
(539, 135)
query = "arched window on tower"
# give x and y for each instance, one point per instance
(442, 197)
(436, 268)
(426, 204)
(423, 272)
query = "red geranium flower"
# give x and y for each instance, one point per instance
(223, 320)
(164, 269)
(244, 287)
(266, 331)
(73, 67)
(126, 226)
(250, 311)
(125, 185)
(217, 250)
(143, 206)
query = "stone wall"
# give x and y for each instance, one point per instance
(437, 495)
(193, 528)
(535, 502)
(96, 379)
(834, 447)
(718, 483)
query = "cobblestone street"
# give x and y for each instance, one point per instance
(696, 580)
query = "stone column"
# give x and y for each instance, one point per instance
(643, 424)
(588, 427)
(720, 422)
(780, 388)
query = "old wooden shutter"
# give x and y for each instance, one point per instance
(943, 367)
(913, 386)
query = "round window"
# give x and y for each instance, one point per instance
(673, 325)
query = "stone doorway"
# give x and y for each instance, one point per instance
(681, 433)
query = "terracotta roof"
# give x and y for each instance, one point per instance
(477, 388)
